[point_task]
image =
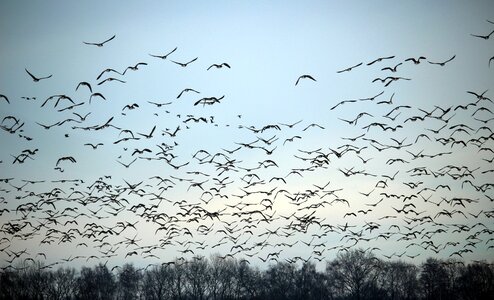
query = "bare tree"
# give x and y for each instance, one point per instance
(477, 281)
(400, 280)
(434, 279)
(280, 280)
(62, 283)
(128, 282)
(355, 274)
(197, 277)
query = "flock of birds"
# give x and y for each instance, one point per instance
(412, 181)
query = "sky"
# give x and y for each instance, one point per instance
(267, 45)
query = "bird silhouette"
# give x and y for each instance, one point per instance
(304, 77)
(100, 44)
(183, 65)
(164, 56)
(36, 79)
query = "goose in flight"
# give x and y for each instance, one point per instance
(219, 66)
(36, 79)
(68, 158)
(415, 60)
(5, 98)
(442, 63)
(485, 37)
(380, 59)
(186, 91)
(134, 68)
(100, 44)
(304, 76)
(349, 69)
(84, 83)
(110, 79)
(164, 56)
(183, 65)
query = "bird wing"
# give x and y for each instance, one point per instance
(171, 52)
(192, 60)
(109, 39)
(32, 76)
(5, 97)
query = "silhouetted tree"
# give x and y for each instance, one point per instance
(280, 280)
(249, 282)
(477, 282)
(434, 279)
(62, 283)
(309, 283)
(197, 277)
(222, 277)
(128, 282)
(400, 280)
(97, 283)
(157, 283)
(355, 274)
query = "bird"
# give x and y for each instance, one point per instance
(485, 37)
(94, 146)
(96, 95)
(106, 71)
(150, 135)
(392, 69)
(349, 68)
(415, 60)
(490, 59)
(127, 165)
(5, 98)
(84, 83)
(183, 65)
(36, 79)
(380, 59)
(65, 158)
(135, 67)
(164, 56)
(100, 44)
(110, 79)
(186, 91)
(304, 76)
(219, 66)
(442, 63)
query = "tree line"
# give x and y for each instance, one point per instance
(355, 274)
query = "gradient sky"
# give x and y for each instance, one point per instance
(268, 46)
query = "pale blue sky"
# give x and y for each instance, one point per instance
(268, 45)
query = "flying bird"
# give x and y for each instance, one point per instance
(5, 98)
(65, 158)
(415, 60)
(164, 56)
(380, 59)
(36, 79)
(110, 79)
(186, 91)
(84, 83)
(219, 66)
(442, 63)
(304, 76)
(485, 37)
(183, 65)
(349, 68)
(135, 67)
(100, 44)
